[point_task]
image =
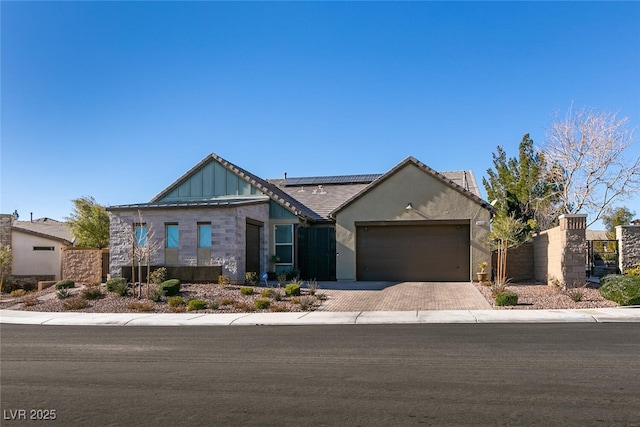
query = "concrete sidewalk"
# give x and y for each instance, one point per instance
(599, 315)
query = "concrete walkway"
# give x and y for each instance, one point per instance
(322, 318)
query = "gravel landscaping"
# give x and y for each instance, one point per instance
(536, 296)
(228, 300)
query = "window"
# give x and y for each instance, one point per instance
(284, 247)
(43, 248)
(171, 236)
(141, 235)
(204, 235)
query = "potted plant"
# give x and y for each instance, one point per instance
(482, 274)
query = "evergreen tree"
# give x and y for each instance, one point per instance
(89, 223)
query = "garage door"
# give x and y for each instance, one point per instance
(434, 252)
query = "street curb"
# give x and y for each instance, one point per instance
(599, 315)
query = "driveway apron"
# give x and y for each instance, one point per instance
(403, 296)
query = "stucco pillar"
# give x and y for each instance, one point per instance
(574, 242)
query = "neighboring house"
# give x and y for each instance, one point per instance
(37, 246)
(409, 224)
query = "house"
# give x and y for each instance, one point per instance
(37, 246)
(408, 224)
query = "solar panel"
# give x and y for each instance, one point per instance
(331, 180)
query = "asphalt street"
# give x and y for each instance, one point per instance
(366, 375)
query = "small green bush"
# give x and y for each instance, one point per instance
(246, 290)
(292, 289)
(224, 280)
(175, 301)
(158, 275)
(170, 287)
(227, 301)
(196, 304)
(251, 277)
(262, 304)
(112, 283)
(65, 284)
(625, 290)
(18, 293)
(635, 271)
(507, 298)
(63, 293)
(121, 288)
(91, 292)
(213, 305)
(155, 295)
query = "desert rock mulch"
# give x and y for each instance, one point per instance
(536, 296)
(110, 302)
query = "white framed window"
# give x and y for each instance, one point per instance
(284, 247)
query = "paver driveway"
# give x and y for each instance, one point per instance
(393, 296)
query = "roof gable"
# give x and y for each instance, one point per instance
(216, 178)
(47, 229)
(466, 179)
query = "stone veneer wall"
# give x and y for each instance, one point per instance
(26, 281)
(228, 235)
(5, 234)
(629, 246)
(560, 252)
(82, 265)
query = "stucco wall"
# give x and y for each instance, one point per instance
(82, 265)
(629, 243)
(431, 200)
(26, 261)
(228, 235)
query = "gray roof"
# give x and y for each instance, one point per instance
(310, 198)
(47, 228)
(324, 194)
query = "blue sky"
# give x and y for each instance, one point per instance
(118, 99)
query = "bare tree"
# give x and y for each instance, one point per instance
(143, 248)
(591, 163)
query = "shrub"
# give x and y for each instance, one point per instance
(76, 303)
(18, 293)
(292, 289)
(121, 288)
(144, 306)
(312, 286)
(267, 293)
(243, 306)
(282, 278)
(65, 284)
(633, 271)
(196, 304)
(498, 287)
(576, 293)
(91, 292)
(251, 277)
(277, 308)
(507, 298)
(246, 290)
(63, 293)
(625, 290)
(178, 309)
(175, 301)
(227, 301)
(306, 303)
(112, 283)
(262, 304)
(170, 287)
(158, 275)
(155, 294)
(223, 280)
(213, 305)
